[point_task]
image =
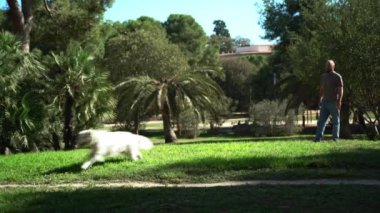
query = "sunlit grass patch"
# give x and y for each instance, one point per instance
(209, 159)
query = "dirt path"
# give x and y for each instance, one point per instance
(199, 185)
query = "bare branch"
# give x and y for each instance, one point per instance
(47, 8)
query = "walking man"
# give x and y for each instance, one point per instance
(331, 93)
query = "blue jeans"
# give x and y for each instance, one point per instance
(328, 108)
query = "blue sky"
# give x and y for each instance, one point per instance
(241, 16)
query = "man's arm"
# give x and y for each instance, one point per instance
(340, 96)
(321, 92)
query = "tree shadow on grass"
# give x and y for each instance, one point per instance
(361, 163)
(218, 199)
(246, 139)
(76, 168)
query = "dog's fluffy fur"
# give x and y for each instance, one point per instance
(103, 144)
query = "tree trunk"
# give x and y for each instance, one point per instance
(361, 119)
(345, 130)
(212, 125)
(136, 123)
(2, 148)
(179, 126)
(55, 141)
(22, 20)
(35, 148)
(372, 131)
(67, 125)
(28, 18)
(169, 133)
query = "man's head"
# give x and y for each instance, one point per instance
(330, 66)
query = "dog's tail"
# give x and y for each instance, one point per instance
(84, 138)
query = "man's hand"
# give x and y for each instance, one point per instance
(338, 104)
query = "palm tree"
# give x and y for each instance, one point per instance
(162, 94)
(84, 93)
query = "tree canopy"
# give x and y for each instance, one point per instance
(184, 31)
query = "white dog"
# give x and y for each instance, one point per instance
(105, 144)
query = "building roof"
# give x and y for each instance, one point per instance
(250, 50)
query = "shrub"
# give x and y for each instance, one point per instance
(189, 122)
(271, 119)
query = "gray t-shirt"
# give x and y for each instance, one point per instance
(331, 81)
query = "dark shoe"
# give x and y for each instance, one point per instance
(317, 140)
(335, 140)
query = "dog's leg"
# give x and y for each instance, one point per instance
(135, 154)
(99, 158)
(88, 164)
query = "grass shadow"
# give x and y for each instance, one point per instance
(218, 199)
(245, 139)
(361, 163)
(76, 168)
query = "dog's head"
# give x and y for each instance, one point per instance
(145, 143)
(83, 138)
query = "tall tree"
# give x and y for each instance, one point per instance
(65, 21)
(184, 31)
(154, 76)
(222, 37)
(220, 29)
(236, 85)
(82, 91)
(140, 53)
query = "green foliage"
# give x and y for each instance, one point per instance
(258, 60)
(21, 102)
(242, 42)
(281, 19)
(220, 29)
(222, 38)
(143, 23)
(283, 22)
(193, 89)
(68, 20)
(236, 85)
(211, 56)
(224, 44)
(262, 84)
(184, 31)
(349, 36)
(140, 53)
(221, 110)
(150, 58)
(156, 75)
(76, 78)
(189, 124)
(4, 25)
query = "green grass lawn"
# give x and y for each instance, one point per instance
(205, 160)
(219, 199)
